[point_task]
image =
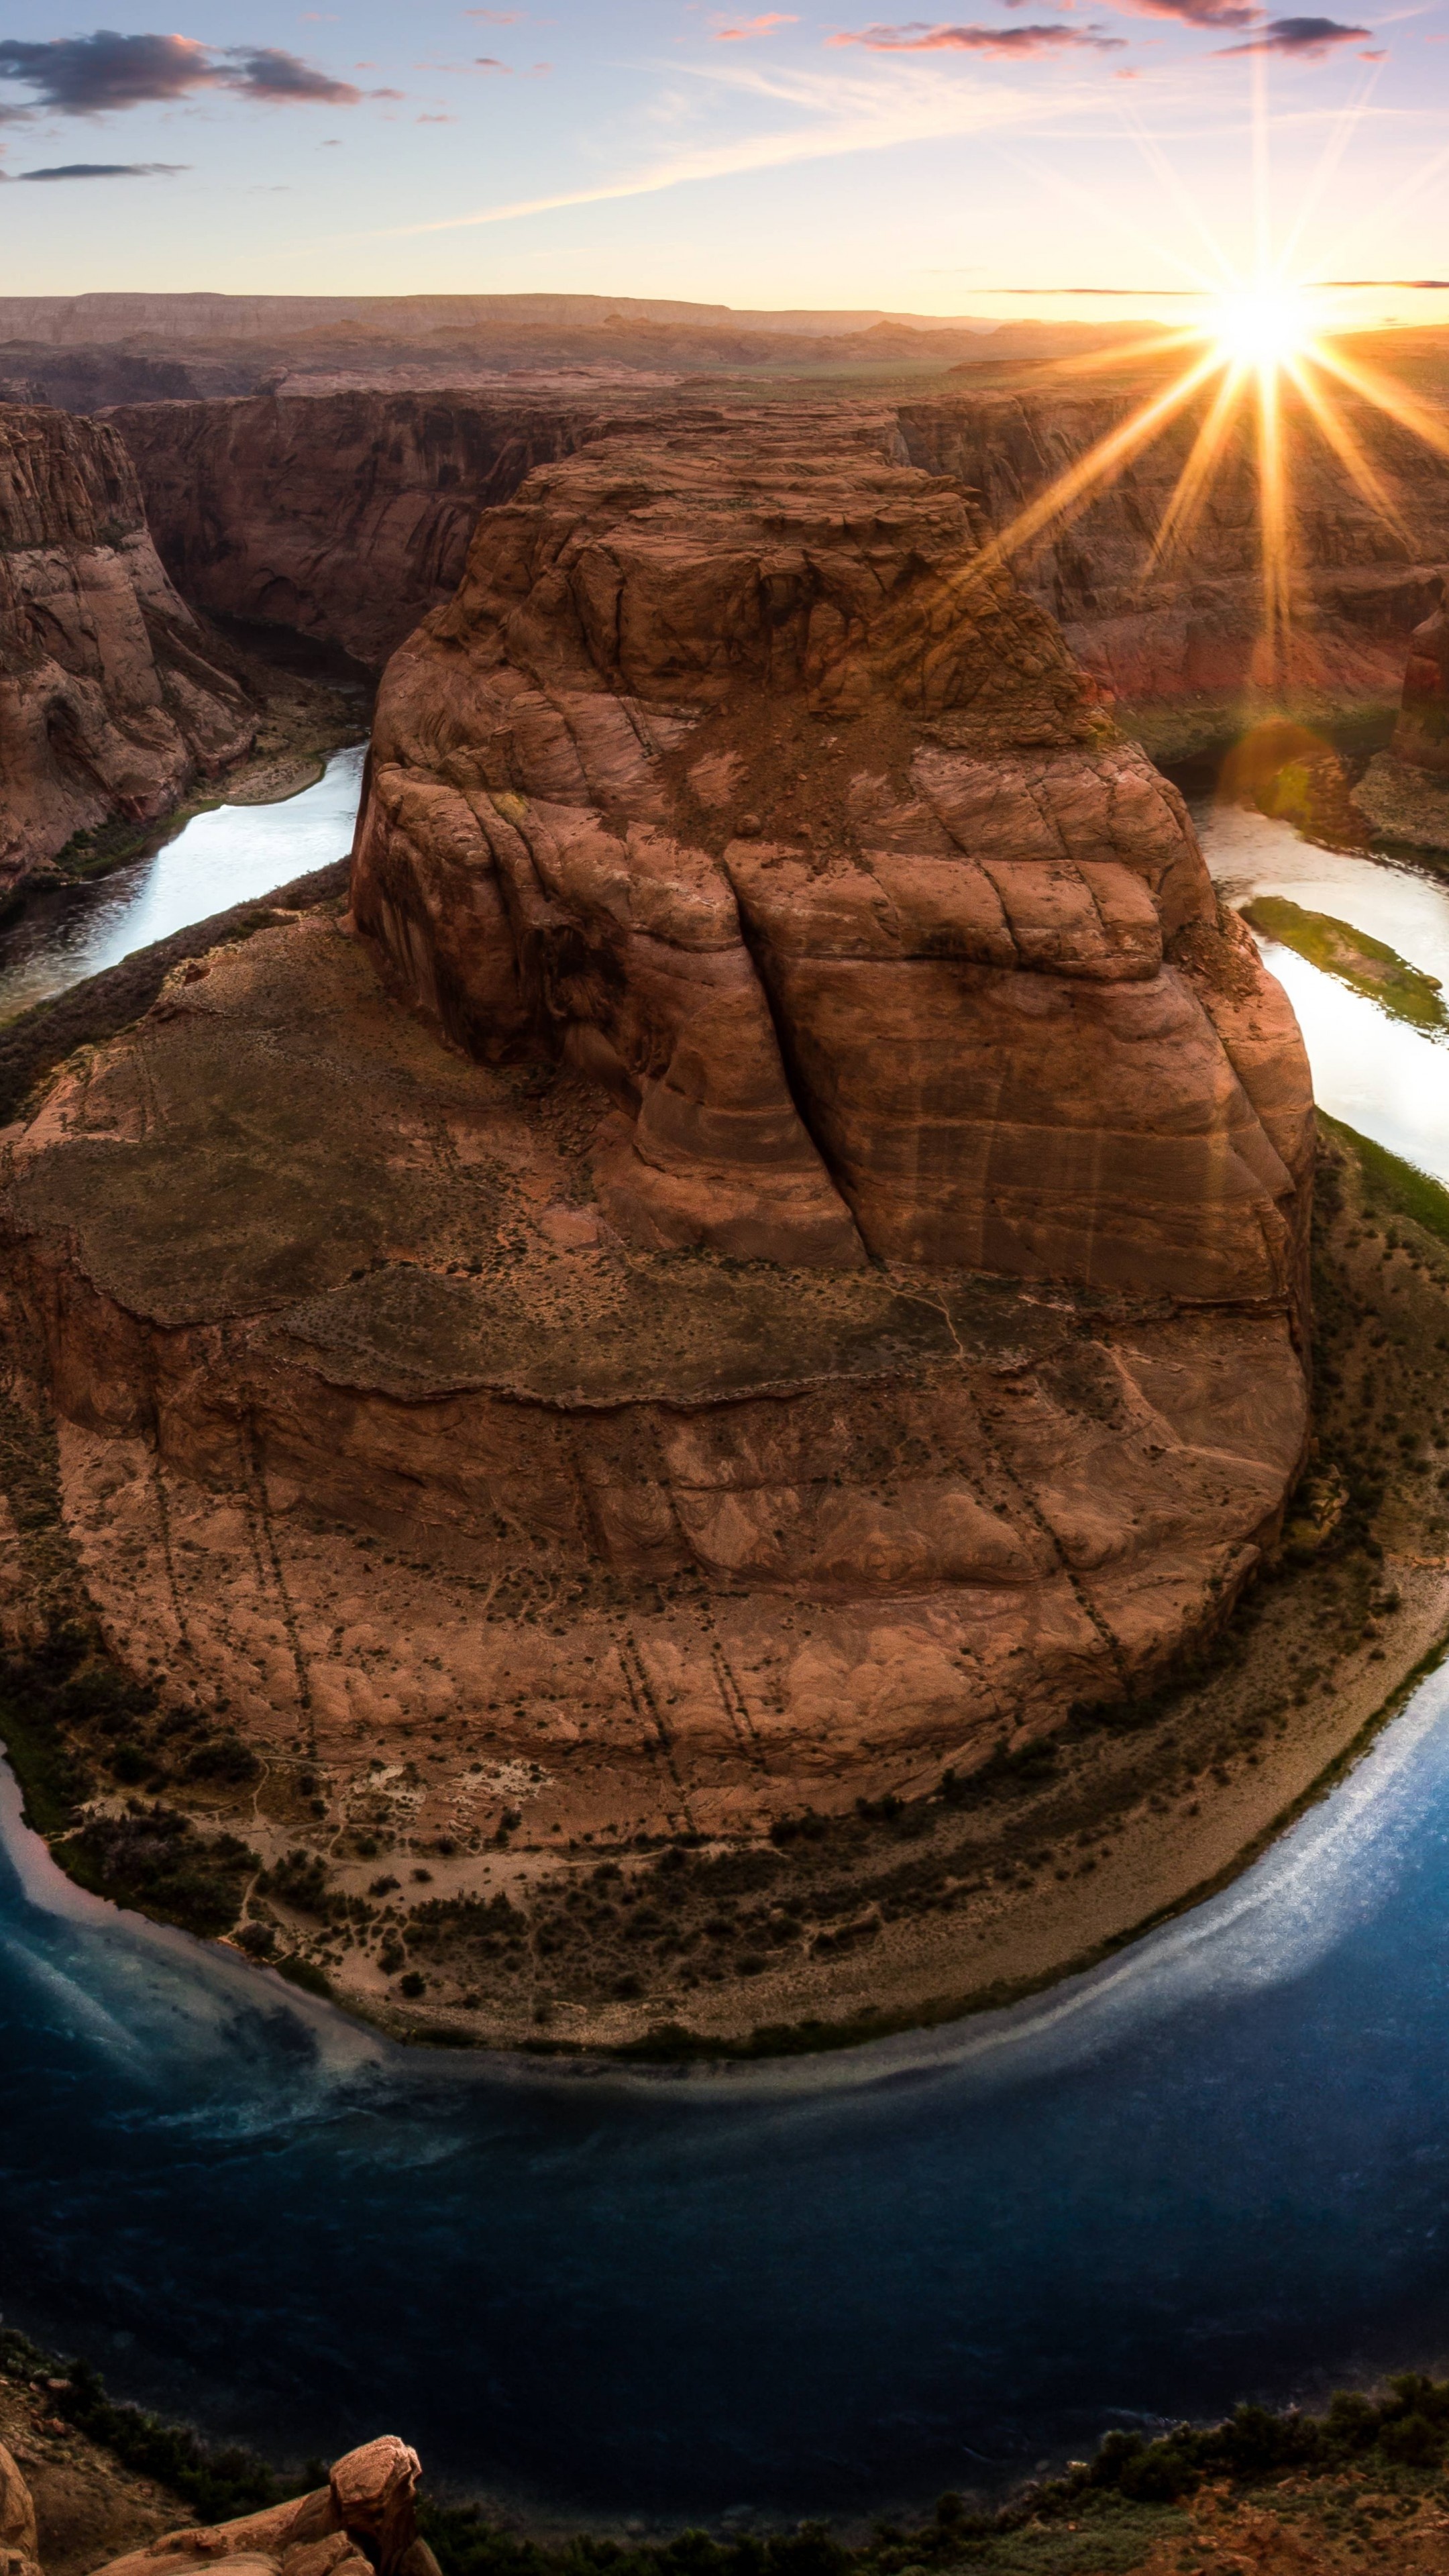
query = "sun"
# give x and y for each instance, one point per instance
(1261, 326)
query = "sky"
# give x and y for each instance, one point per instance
(986, 165)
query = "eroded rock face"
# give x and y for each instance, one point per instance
(19, 2546)
(109, 703)
(344, 516)
(725, 779)
(1191, 627)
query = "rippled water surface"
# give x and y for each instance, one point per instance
(1218, 2166)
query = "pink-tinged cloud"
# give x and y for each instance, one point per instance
(1308, 40)
(496, 17)
(917, 38)
(754, 27)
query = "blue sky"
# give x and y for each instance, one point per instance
(665, 147)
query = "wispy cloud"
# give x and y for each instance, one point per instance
(747, 27)
(1217, 14)
(826, 116)
(919, 39)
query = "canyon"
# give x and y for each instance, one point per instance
(817, 1290)
(112, 700)
(347, 514)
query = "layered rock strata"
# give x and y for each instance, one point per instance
(347, 515)
(343, 516)
(725, 780)
(19, 2543)
(111, 700)
(800, 1276)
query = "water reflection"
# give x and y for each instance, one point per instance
(216, 859)
(1386, 1079)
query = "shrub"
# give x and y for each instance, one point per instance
(224, 1758)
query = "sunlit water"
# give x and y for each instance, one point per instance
(1218, 2166)
(1386, 1079)
(219, 858)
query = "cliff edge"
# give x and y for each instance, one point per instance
(111, 702)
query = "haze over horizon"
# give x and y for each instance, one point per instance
(994, 167)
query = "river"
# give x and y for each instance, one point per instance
(1217, 2166)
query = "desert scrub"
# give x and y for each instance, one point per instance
(45, 1695)
(153, 1859)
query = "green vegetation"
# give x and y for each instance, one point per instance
(109, 845)
(1354, 958)
(1392, 1187)
(56, 1686)
(153, 1859)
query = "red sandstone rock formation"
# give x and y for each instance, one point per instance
(109, 703)
(1191, 627)
(807, 1288)
(725, 779)
(348, 516)
(19, 2546)
(362, 2523)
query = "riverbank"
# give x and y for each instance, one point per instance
(302, 722)
(901, 1912)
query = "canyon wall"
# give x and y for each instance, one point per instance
(111, 700)
(345, 516)
(1191, 628)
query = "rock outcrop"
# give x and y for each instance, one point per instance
(111, 702)
(724, 780)
(1421, 736)
(348, 515)
(362, 2523)
(343, 516)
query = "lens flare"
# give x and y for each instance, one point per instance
(1264, 326)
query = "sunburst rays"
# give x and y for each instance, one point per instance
(1260, 337)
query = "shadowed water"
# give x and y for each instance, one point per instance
(1220, 2165)
(1217, 2167)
